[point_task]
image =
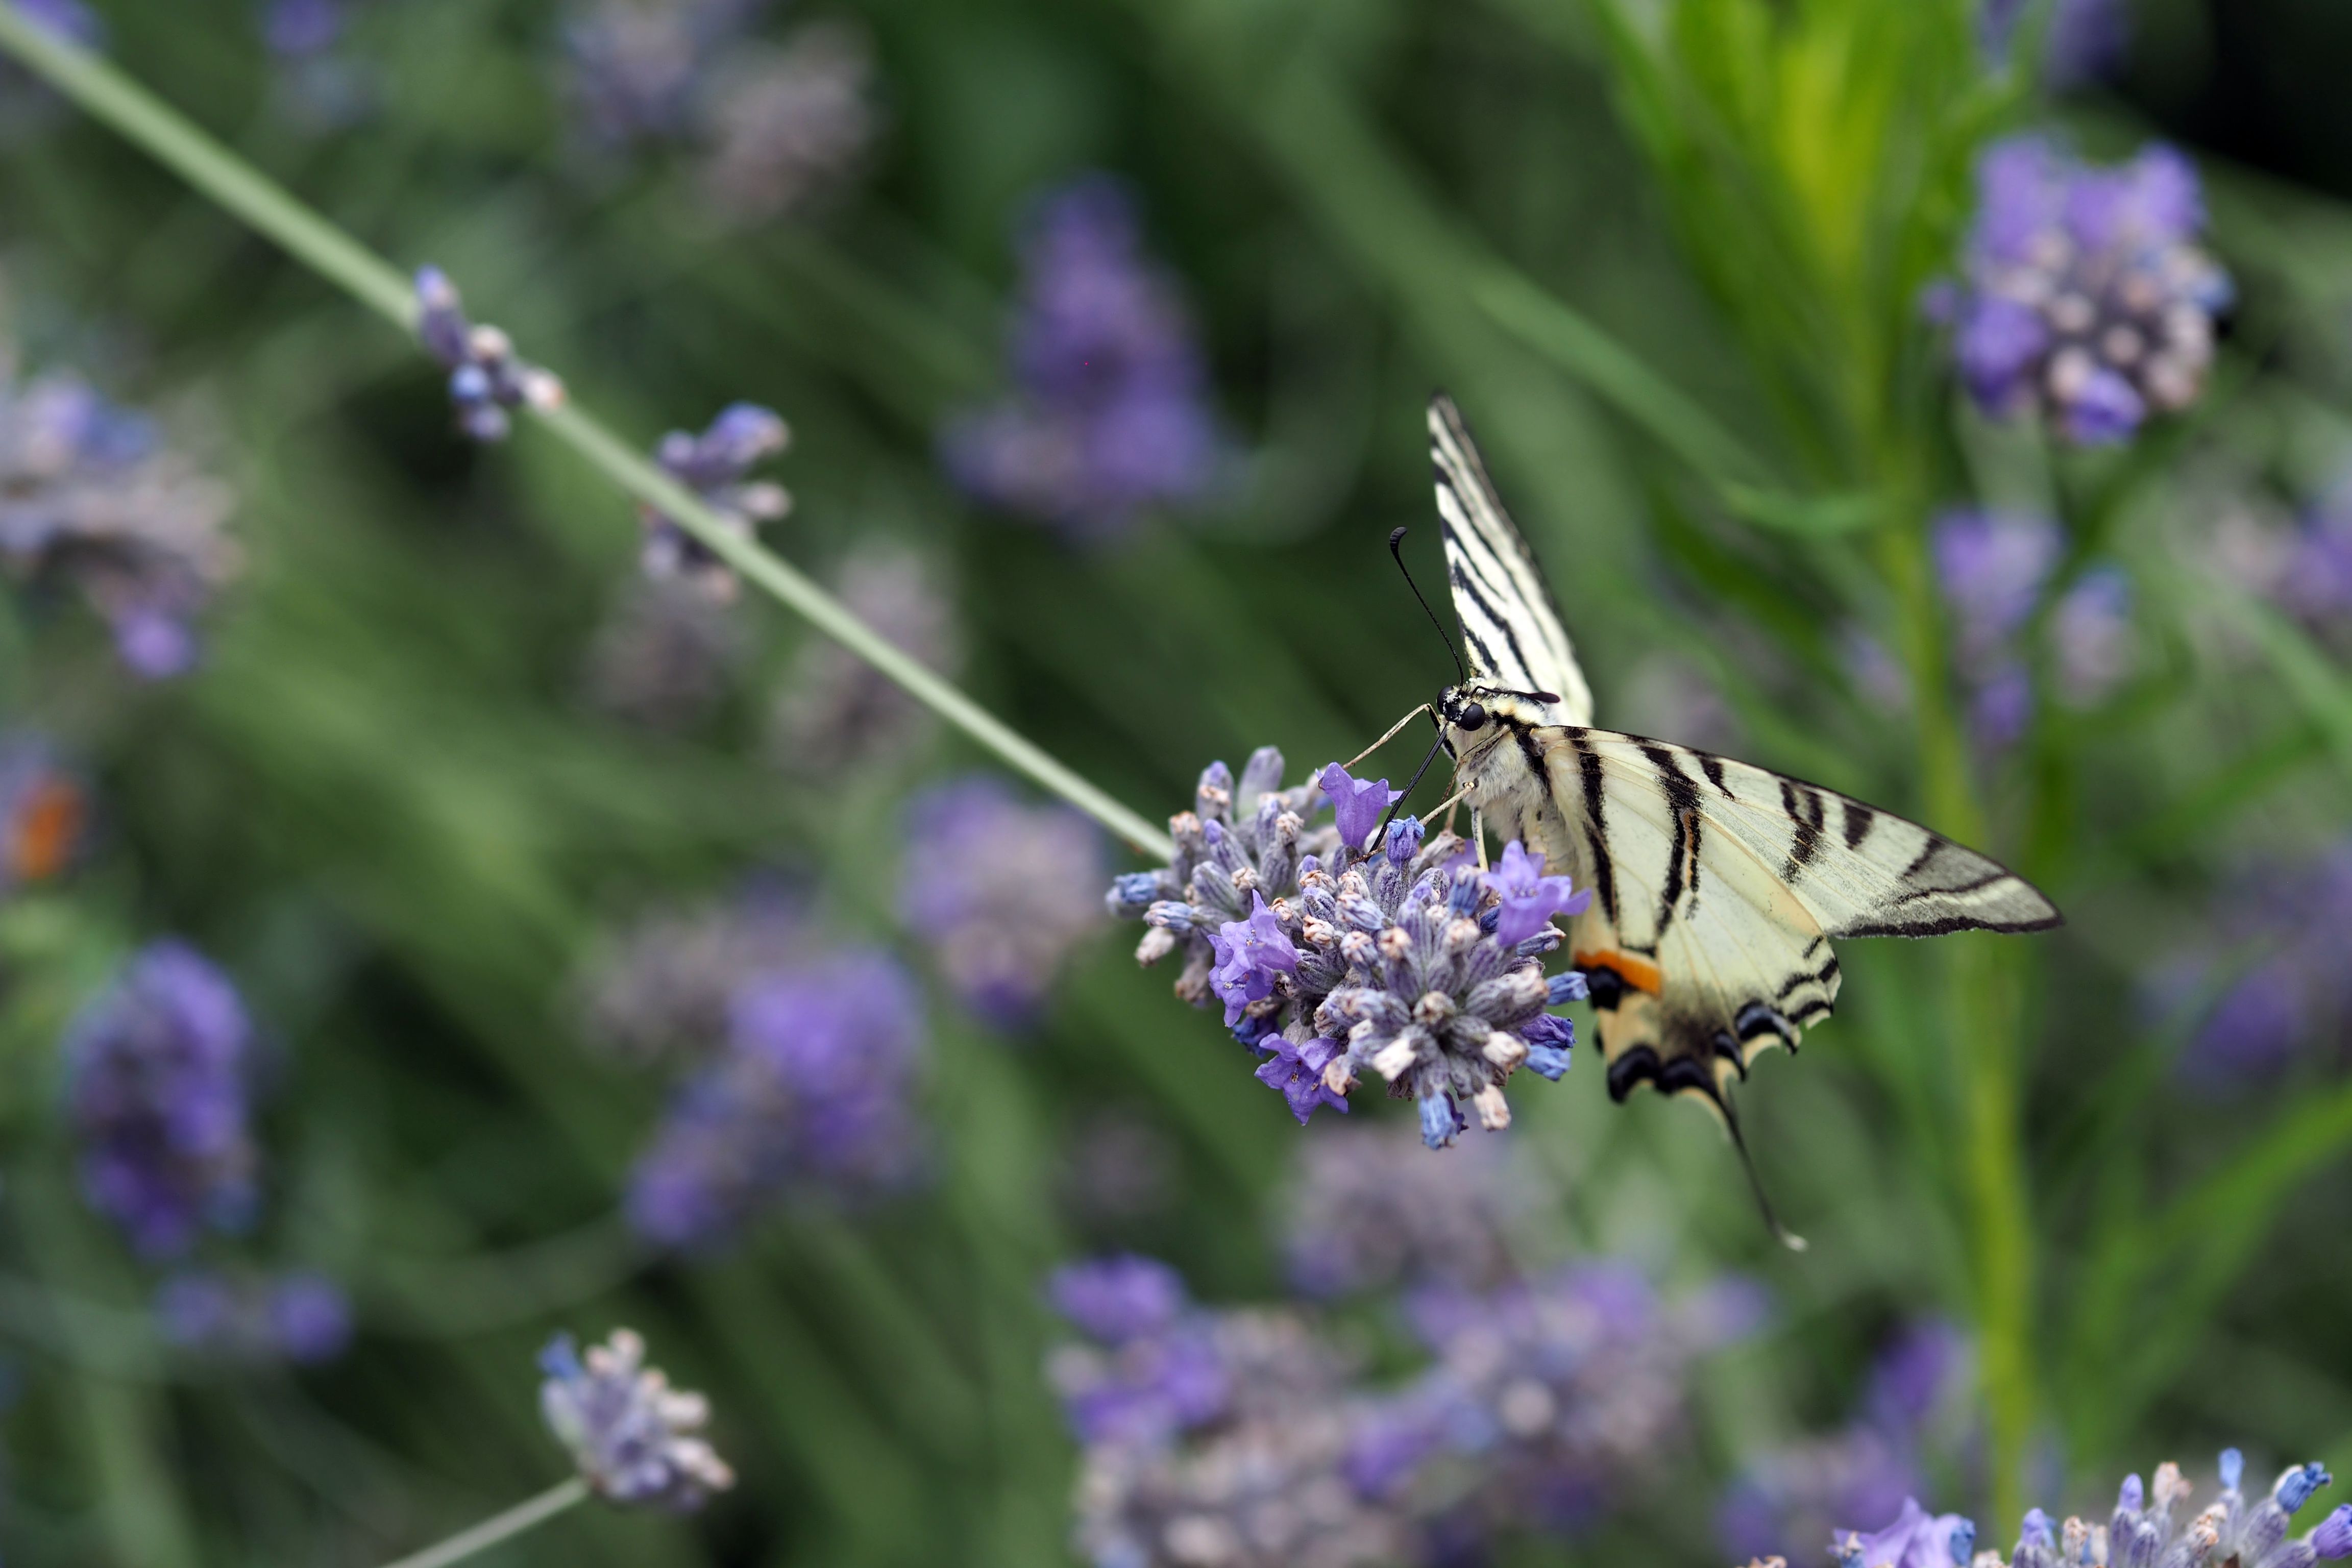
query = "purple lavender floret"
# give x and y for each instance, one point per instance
(813, 1093)
(2084, 296)
(636, 1439)
(156, 1071)
(1109, 419)
(89, 496)
(999, 891)
(486, 377)
(715, 466)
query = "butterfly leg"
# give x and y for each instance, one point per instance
(1478, 835)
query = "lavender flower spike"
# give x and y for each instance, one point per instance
(713, 465)
(1001, 891)
(1109, 417)
(155, 1071)
(636, 1439)
(2150, 1524)
(2085, 296)
(487, 378)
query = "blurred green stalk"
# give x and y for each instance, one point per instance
(523, 1516)
(1984, 1014)
(176, 142)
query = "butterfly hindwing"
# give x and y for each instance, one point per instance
(1718, 886)
(1510, 626)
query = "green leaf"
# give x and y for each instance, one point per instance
(1830, 516)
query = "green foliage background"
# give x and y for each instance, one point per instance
(1666, 255)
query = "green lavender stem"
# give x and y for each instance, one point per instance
(1983, 1009)
(500, 1527)
(176, 141)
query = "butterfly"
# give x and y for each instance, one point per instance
(1718, 886)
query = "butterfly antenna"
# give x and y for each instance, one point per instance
(1781, 1233)
(1396, 541)
(1398, 805)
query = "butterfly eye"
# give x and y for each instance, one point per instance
(1471, 718)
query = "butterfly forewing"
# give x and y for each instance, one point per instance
(1510, 626)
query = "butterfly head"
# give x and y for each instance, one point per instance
(1475, 713)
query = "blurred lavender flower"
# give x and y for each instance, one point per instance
(2085, 40)
(834, 711)
(998, 891)
(636, 1440)
(637, 67)
(300, 29)
(1557, 1395)
(1110, 418)
(664, 655)
(1267, 1491)
(783, 124)
(88, 496)
(1367, 1209)
(1210, 1438)
(156, 1068)
(44, 812)
(487, 378)
(2149, 1525)
(301, 1317)
(1877, 677)
(667, 985)
(2306, 569)
(813, 1092)
(2085, 296)
(2091, 636)
(1793, 1497)
(2299, 992)
(1992, 566)
(713, 465)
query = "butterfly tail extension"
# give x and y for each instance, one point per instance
(1781, 1233)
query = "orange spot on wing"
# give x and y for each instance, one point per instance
(1638, 972)
(48, 823)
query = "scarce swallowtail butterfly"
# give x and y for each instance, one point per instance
(1718, 886)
